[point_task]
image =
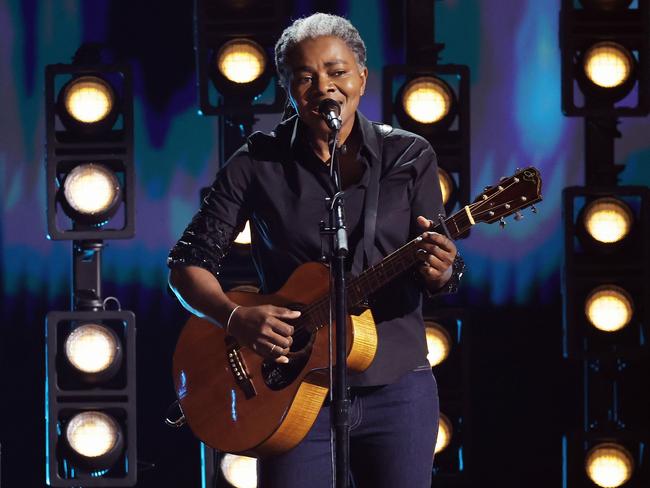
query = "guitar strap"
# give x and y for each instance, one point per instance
(372, 198)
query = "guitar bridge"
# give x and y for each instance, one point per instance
(238, 371)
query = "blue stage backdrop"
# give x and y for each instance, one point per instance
(513, 53)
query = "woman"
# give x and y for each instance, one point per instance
(279, 182)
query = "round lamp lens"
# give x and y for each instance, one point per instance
(446, 185)
(244, 237)
(444, 434)
(608, 220)
(609, 308)
(88, 99)
(91, 348)
(239, 471)
(241, 61)
(438, 343)
(608, 64)
(91, 189)
(609, 465)
(427, 100)
(92, 434)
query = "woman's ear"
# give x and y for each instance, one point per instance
(364, 78)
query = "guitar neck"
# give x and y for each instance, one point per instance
(401, 260)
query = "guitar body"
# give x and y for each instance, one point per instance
(236, 401)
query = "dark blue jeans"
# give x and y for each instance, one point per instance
(393, 430)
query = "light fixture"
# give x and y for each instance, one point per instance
(244, 237)
(438, 343)
(608, 64)
(427, 99)
(93, 349)
(609, 465)
(239, 471)
(447, 185)
(87, 104)
(445, 432)
(608, 220)
(95, 438)
(91, 193)
(241, 60)
(609, 308)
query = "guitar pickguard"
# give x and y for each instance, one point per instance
(277, 375)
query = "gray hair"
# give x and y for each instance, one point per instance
(316, 25)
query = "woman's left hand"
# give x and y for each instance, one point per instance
(437, 253)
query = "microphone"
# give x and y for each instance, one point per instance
(330, 110)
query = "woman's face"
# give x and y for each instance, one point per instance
(325, 67)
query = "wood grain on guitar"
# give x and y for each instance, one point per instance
(235, 401)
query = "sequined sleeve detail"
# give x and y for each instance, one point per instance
(205, 243)
(458, 268)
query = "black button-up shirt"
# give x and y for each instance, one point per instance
(277, 182)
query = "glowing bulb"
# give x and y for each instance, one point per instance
(88, 99)
(609, 308)
(608, 64)
(438, 343)
(427, 99)
(609, 465)
(91, 189)
(91, 348)
(92, 434)
(446, 185)
(608, 220)
(444, 434)
(241, 60)
(239, 471)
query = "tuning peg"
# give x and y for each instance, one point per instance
(519, 216)
(487, 188)
(503, 178)
(533, 208)
(502, 222)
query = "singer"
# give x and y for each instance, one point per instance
(279, 181)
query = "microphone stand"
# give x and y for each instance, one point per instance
(341, 400)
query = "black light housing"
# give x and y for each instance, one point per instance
(105, 144)
(612, 23)
(110, 392)
(218, 24)
(591, 266)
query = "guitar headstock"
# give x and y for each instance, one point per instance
(510, 195)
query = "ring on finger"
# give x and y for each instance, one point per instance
(273, 348)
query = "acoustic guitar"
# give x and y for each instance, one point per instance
(236, 401)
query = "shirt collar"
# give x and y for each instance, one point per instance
(369, 137)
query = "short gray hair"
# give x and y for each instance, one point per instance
(316, 25)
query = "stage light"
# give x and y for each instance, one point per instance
(445, 432)
(93, 348)
(239, 471)
(244, 237)
(427, 100)
(92, 193)
(88, 99)
(608, 220)
(609, 308)
(241, 60)
(438, 343)
(446, 185)
(609, 465)
(608, 64)
(92, 434)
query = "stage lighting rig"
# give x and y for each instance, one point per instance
(606, 271)
(605, 58)
(432, 100)
(234, 56)
(89, 139)
(90, 398)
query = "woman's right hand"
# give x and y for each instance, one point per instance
(261, 328)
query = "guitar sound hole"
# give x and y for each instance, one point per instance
(278, 376)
